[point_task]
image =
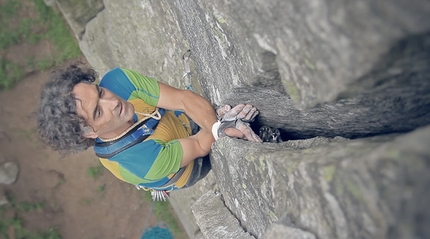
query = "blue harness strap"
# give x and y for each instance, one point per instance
(135, 136)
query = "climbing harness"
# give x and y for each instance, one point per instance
(161, 193)
(107, 148)
(156, 194)
(137, 133)
(187, 70)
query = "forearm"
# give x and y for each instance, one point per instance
(200, 111)
(195, 106)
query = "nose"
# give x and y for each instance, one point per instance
(110, 103)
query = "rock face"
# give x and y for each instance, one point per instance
(347, 83)
(364, 188)
(78, 13)
(134, 35)
(309, 49)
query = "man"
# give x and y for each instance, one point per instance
(145, 132)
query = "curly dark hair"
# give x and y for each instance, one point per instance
(58, 123)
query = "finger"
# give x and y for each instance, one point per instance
(232, 114)
(255, 137)
(222, 110)
(251, 136)
(244, 112)
(251, 118)
(247, 131)
(255, 115)
(234, 133)
(250, 115)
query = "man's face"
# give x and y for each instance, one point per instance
(106, 113)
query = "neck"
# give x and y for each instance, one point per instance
(155, 115)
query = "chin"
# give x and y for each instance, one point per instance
(130, 115)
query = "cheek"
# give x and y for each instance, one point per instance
(129, 108)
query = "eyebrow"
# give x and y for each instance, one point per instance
(97, 106)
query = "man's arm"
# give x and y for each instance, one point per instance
(199, 110)
(194, 105)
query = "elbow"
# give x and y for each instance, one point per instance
(205, 152)
(205, 143)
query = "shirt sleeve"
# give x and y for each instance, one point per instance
(129, 84)
(146, 88)
(168, 160)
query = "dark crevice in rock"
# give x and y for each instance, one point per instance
(256, 127)
(82, 33)
(79, 13)
(394, 97)
(269, 77)
(406, 67)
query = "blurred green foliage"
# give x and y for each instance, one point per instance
(29, 22)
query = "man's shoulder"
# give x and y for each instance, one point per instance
(118, 82)
(113, 74)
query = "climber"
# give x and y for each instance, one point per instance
(144, 132)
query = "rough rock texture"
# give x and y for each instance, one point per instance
(310, 49)
(182, 201)
(78, 13)
(316, 69)
(140, 35)
(388, 103)
(8, 172)
(364, 188)
(215, 219)
(281, 231)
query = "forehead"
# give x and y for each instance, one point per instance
(86, 99)
(82, 89)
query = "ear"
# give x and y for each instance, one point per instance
(89, 132)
